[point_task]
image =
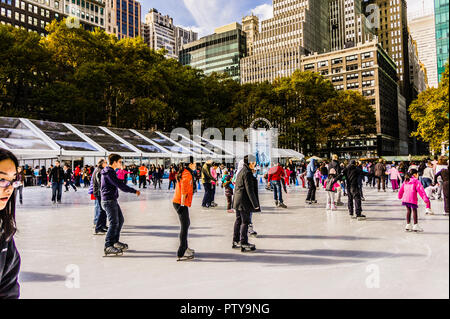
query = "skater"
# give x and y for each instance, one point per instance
(207, 180)
(276, 174)
(394, 175)
(56, 179)
(428, 175)
(293, 174)
(21, 181)
(143, 171)
(443, 174)
(109, 195)
(100, 213)
(172, 178)
(182, 200)
(68, 178)
(331, 186)
(214, 183)
(380, 172)
(9, 256)
(408, 194)
(245, 201)
(310, 173)
(228, 189)
(352, 174)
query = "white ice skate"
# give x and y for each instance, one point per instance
(328, 207)
(417, 228)
(251, 231)
(333, 207)
(408, 227)
(428, 211)
(188, 255)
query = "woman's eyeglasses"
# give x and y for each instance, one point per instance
(5, 183)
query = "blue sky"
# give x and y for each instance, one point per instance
(204, 15)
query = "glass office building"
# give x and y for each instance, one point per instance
(441, 16)
(220, 52)
(128, 17)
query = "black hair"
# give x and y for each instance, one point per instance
(410, 174)
(114, 158)
(8, 214)
(181, 168)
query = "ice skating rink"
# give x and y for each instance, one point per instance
(302, 251)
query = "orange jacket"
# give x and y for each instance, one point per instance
(143, 171)
(184, 187)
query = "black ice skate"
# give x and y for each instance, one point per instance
(247, 247)
(113, 251)
(361, 217)
(251, 231)
(236, 245)
(121, 246)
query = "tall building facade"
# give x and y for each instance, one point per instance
(348, 24)
(422, 30)
(128, 18)
(441, 14)
(366, 68)
(221, 52)
(297, 27)
(417, 72)
(35, 15)
(111, 17)
(250, 25)
(159, 32)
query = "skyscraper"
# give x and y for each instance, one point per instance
(159, 32)
(250, 25)
(441, 12)
(128, 18)
(297, 27)
(422, 29)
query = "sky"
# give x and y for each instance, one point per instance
(203, 16)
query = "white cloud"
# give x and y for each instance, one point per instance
(264, 11)
(210, 14)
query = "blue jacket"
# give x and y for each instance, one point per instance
(110, 184)
(311, 169)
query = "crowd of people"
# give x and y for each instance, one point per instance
(427, 179)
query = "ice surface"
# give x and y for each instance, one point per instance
(302, 252)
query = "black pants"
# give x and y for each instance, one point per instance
(183, 215)
(243, 219)
(381, 180)
(207, 196)
(311, 189)
(70, 183)
(174, 182)
(157, 181)
(142, 181)
(354, 195)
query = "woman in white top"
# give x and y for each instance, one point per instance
(428, 175)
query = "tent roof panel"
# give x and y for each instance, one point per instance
(15, 135)
(102, 138)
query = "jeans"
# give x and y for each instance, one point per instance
(115, 218)
(354, 195)
(207, 196)
(100, 216)
(277, 195)
(70, 183)
(19, 190)
(56, 191)
(426, 182)
(183, 215)
(243, 219)
(311, 189)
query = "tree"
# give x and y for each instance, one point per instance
(431, 111)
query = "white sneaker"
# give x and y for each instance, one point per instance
(417, 228)
(428, 211)
(408, 227)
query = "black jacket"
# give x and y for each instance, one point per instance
(336, 165)
(245, 191)
(9, 270)
(56, 175)
(68, 175)
(97, 182)
(352, 174)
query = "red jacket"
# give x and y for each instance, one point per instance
(276, 173)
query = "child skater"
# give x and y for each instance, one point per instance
(408, 194)
(395, 177)
(331, 186)
(228, 189)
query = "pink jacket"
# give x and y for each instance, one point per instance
(213, 174)
(408, 192)
(121, 174)
(394, 173)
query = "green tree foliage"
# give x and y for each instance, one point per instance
(76, 76)
(431, 111)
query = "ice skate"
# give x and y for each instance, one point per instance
(333, 207)
(328, 207)
(100, 232)
(353, 216)
(445, 214)
(361, 217)
(121, 246)
(112, 251)
(282, 205)
(247, 247)
(276, 203)
(230, 211)
(251, 231)
(428, 211)
(340, 204)
(188, 255)
(236, 245)
(408, 227)
(417, 228)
